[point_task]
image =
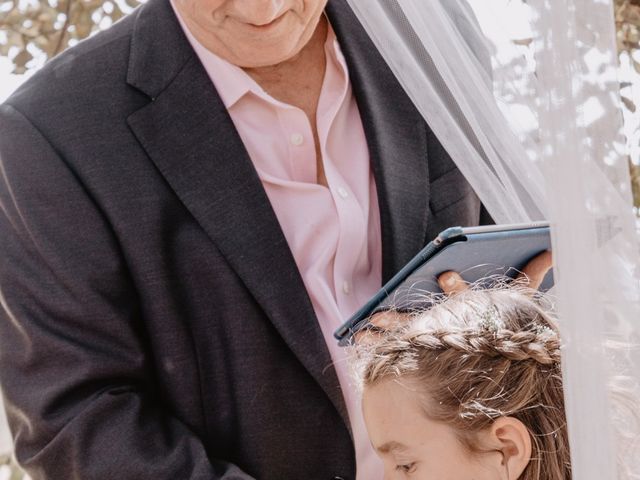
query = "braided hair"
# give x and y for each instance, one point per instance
(478, 356)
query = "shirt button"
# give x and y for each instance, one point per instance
(297, 139)
(346, 287)
(343, 192)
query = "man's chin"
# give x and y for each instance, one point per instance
(263, 56)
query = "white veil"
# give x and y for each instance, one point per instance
(538, 135)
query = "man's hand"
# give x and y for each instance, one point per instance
(451, 283)
(532, 275)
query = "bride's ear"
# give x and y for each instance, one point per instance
(512, 439)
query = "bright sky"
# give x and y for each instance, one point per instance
(8, 82)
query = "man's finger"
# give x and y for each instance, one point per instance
(388, 319)
(535, 271)
(381, 321)
(452, 283)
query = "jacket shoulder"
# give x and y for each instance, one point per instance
(86, 70)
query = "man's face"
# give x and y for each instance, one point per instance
(252, 33)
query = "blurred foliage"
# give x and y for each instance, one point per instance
(635, 180)
(36, 28)
(628, 25)
(628, 39)
(7, 464)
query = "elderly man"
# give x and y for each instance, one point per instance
(191, 203)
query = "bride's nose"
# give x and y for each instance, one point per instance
(259, 12)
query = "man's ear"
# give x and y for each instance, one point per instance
(511, 438)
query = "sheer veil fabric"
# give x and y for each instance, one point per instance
(524, 96)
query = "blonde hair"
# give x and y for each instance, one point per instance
(478, 356)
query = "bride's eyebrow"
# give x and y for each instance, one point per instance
(392, 447)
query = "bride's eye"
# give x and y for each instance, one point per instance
(407, 468)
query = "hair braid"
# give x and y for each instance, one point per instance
(541, 346)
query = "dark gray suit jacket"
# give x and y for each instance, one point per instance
(153, 324)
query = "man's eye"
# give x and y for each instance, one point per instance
(407, 468)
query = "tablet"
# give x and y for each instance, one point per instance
(479, 254)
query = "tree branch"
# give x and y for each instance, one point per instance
(63, 32)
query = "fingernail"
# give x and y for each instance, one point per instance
(450, 281)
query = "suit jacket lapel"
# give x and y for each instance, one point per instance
(397, 139)
(194, 144)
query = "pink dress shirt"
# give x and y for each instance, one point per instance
(334, 232)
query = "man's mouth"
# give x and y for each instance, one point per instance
(266, 26)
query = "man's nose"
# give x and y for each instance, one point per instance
(259, 12)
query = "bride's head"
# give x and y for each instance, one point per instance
(470, 389)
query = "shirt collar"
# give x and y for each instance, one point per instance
(233, 83)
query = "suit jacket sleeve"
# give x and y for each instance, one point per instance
(78, 386)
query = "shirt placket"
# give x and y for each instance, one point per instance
(301, 145)
(352, 224)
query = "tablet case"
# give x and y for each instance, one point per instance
(479, 254)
